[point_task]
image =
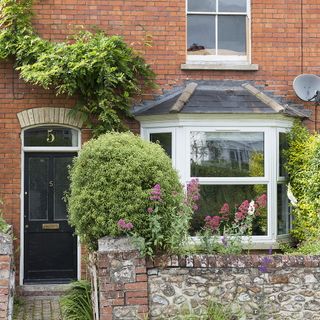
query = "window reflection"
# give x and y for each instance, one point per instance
(213, 198)
(283, 209)
(227, 154)
(283, 146)
(165, 141)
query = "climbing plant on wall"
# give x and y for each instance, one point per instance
(102, 71)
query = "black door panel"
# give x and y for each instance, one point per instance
(50, 247)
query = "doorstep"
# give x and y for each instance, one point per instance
(41, 290)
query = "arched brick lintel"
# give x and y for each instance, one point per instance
(60, 116)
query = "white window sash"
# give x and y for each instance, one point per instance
(237, 59)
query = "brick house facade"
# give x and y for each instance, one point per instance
(283, 38)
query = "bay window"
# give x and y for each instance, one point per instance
(233, 161)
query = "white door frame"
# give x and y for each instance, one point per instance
(42, 149)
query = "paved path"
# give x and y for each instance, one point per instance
(37, 308)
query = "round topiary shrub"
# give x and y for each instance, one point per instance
(123, 184)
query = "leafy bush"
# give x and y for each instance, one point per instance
(303, 166)
(76, 304)
(307, 247)
(4, 227)
(122, 184)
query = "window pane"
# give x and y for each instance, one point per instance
(232, 5)
(283, 209)
(202, 5)
(38, 188)
(227, 154)
(213, 197)
(231, 35)
(201, 34)
(283, 145)
(61, 184)
(165, 141)
(51, 137)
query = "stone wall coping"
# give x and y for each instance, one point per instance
(6, 246)
(233, 261)
(116, 245)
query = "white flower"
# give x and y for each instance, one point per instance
(291, 197)
(251, 208)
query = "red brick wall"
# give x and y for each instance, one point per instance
(276, 46)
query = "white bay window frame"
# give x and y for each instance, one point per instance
(282, 180)
(182, 125)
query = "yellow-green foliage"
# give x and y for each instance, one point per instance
(4, 227)
(111, 180)
(303, 165)
(256, 167)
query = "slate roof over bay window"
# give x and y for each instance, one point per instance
(227, 97)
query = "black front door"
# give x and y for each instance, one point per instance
(50, 248)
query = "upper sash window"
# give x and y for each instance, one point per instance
(217, 30)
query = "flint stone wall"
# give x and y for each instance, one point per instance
(6, 276)
(263, 287)
(272, 287)
(122, 274)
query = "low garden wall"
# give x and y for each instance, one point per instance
(6, 276)
(263, 287)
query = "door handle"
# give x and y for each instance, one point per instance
(51, 184)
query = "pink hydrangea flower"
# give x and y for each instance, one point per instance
(123, 225)
(225, 211)
(212, 223)
(193, 194)
(239, 216)
(262, 200)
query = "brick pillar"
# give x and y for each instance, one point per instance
(6, 277)
(123, 281)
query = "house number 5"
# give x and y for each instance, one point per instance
(50, 136)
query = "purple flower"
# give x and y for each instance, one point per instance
(224, 241)
(264, 264)
(195, 207)
(263, 268)
(155, 193)
(150, 210)
(124, 226)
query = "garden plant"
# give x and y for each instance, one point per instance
(303, 166)
(121, 184)
(102, 72)
(4, 227)
(76, 303)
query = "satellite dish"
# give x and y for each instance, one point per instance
(307, 87)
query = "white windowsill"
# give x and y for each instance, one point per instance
(219, 66)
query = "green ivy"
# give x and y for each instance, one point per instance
(101, 71)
